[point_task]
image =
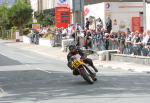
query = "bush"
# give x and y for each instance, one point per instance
(26, 31)
(14, 29)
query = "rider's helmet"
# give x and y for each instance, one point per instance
(72, 48)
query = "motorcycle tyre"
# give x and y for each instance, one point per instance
(86, 76)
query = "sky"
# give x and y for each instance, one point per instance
(10, 2)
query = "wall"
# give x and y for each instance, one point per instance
(129, 58)
(123, 13)
(48, 4)
(96, 10)
(148, 16)
(34, 4)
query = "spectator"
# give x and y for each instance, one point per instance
(108, 25)
(64, 32)
(87, 24)
(128, 31)
(70, 31)
(121, 41)
(42, 31)
(146, 43)
(114, 41)
(106, 38)
(128, 43)
(136, 44)
(99, 24)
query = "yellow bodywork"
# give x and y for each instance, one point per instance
(76, 63)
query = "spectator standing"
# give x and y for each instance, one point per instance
(121, 41)
(128, 31)
(99, 24)
(87, 23)
(114, 41)
(146, 43)
(108, 25)
(106, 38)
(128, 43)
(136, 44)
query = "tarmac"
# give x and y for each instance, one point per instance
(56, 53)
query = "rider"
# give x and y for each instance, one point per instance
(73, 51)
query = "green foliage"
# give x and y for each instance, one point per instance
(40, 17)
(4, 19)
(20, 13)
(14, 28)
(45, 18)
(26, 31)
(49, 19)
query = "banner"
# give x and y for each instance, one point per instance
(136, 25)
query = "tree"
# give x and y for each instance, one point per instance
(45, 18)
(4, 21)
(20, 14)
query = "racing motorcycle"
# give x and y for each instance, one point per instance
(83, 69)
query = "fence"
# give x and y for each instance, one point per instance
(5, 34)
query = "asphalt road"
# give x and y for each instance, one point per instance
(26, 77)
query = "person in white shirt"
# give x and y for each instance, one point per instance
(146, 37)
(146, 43)
(42, 31)
(70, 31)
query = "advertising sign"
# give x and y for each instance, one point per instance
(136, 24)
(62, 17)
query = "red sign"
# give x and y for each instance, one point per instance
(62, 17)
(136, 24)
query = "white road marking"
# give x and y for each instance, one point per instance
(2, 92)
(46, 71)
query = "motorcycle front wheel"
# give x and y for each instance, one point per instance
(86, 76)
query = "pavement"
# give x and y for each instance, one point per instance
(56, 53)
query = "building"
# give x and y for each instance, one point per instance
(41, 5)
(124, 13)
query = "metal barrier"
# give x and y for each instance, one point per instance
(57, 40)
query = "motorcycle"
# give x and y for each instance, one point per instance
(83, 69)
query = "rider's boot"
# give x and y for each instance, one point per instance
(75, 72)
(95, 69)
